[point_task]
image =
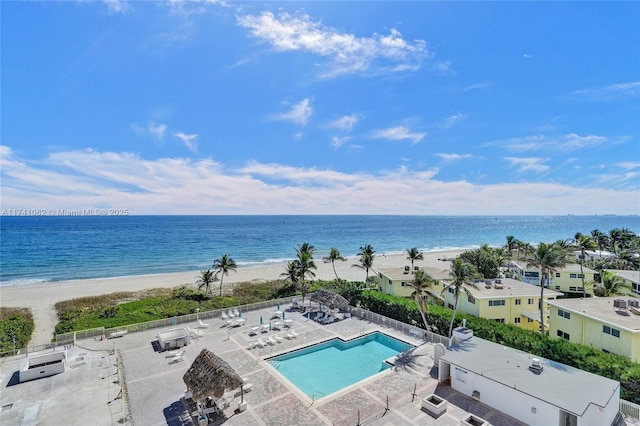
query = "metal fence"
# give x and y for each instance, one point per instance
(630, 409)
(411, 330)
(62, 344)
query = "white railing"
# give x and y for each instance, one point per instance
(411, 330)
(630, 409)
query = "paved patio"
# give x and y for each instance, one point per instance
(156, 390)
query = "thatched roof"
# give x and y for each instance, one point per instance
(329, 298)
(210, 375)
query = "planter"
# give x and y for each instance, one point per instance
(472, 420)
(434, 405)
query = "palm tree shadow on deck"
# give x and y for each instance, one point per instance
(408, 360)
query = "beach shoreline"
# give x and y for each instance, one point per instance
(42, 297)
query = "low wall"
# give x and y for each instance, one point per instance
(42, 366)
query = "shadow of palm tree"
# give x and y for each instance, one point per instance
(407, 360)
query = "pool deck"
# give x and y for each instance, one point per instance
(156, 389)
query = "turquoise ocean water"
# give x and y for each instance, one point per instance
(53, 248)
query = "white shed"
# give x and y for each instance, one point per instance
(533, 390)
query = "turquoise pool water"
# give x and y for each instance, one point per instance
(335, 364)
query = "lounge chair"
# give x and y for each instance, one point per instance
(178, 357)
(194, 332)
(236, 312)
(289, 336)
(202, 324)
(231, 313)
(279, 337)
(261, 342)
(272, 340)
(224, 316)
(252, 344)
(293, 332)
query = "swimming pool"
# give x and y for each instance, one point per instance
(327, 367)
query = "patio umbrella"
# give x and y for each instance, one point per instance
(269, 326)
(283, 315)
(260, 319)
(278, 306)
(239, 313)
(210, 376)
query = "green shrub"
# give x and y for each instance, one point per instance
(18, 323)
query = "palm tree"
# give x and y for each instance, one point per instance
(205, 279)
(414, 254)
(461, 273)
(422, 284)
(613, 284)
(334, 255)
(511, 244)
(366, 255)
(304, 265)
(583, 243)
(600, 238)
(224, 265)
(291, 272)
(547, 258)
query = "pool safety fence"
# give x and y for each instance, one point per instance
(408, 329)
(106, 333)
(630, 409)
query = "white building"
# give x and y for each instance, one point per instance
(500, 377)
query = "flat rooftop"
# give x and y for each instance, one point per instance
(558, 384)
(570, 267)
(509, 287)
(633, 276)
(399, 273)
(602, 309)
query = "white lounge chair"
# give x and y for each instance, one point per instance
(177, 357)
(224, 316)
(252, 344)
(236, 312)
(261, 342)
(194, 332)
(272, 340)
(231, 313)
(279, 337)
(202, 324)
(293, 332)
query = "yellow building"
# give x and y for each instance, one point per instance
(597, 322)
(630, 278)
(567, 279)
(503, 300)
(397, 281)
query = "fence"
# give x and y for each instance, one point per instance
(630, 409)
(405, 328)
(166, 322)
(64, 344)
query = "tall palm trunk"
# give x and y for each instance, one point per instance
(453, 315)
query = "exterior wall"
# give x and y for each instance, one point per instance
(523, 407)
(509, 401)
(43, 366)
(589, 332)
(395, 287)
(564, 281)
(509, 311)
(635, 287)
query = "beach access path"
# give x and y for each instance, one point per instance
(41, 298)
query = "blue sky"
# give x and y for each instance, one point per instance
(205, 107)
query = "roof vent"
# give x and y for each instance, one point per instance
(535, 366)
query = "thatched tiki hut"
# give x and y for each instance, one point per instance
(210, 376)
(330, 299)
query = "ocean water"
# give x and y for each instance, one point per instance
(53, 248)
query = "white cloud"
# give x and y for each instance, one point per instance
(346, 122)
(629, 165)
(452, 120)
(569, 142)
(338, 141)
(530, 164)
(188, 140)
(117, 6)
(527, 56)
(299, 113)
(346, 53)
(398, 133)
(157, 130)
(453, 157)
(89, 179)
(443, 67)
(611, 91)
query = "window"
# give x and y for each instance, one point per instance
(557, 274)
(573, 288)
(564, 314)
(449, 305)
(500, 320)
(557, 287)
(529, 320)
(532, 274)
(516, 320)
(581, 276)
(471, 300)
(612, 331)
(530, 301)
(390, 282)
(451, 290)
(518, 301)
(496, 302)
(563, 335)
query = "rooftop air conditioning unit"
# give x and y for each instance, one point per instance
(536, 366)
(634, 303)
(620, 303)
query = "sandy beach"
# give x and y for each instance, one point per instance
(41, 298)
